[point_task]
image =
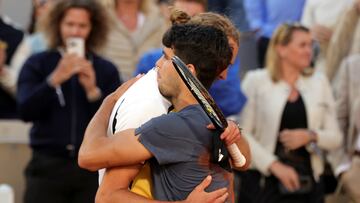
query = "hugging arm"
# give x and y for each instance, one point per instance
(100, 151)
(114, 188)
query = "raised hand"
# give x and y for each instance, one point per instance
(87, 77)
(66, 68)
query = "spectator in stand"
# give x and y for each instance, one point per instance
(332, 24)
(164, 8)
(33, 43)
(11, 35)
(39, 8)
(226, 93)
(344, 41)
(234, 9)
(148, 60)
(11, 38)
(60, 92)
(265, 16)
(321, 17)
(346, 161)
(288, 119)
(192, 7)
(137, 26)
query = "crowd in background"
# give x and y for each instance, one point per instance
(299, 108)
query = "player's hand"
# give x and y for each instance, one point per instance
(199, 194)
(230, 135)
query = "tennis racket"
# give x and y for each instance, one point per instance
(209, 106)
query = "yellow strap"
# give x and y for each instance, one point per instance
(142, 184)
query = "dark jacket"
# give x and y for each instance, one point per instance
(58, 130)
(12, 37)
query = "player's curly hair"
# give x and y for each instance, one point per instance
(208, 18)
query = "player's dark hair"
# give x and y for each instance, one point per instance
(205, 47)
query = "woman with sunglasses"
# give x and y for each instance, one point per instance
(289, 119)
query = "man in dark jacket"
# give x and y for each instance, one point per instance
(59, 91)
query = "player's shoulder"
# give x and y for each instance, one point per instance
(145, 86)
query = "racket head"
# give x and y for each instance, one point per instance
(201, 94)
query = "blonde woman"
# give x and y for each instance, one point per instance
(288, 119)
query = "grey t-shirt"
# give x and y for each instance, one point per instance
(180, 143)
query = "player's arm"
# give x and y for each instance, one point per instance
(114, 188)
(115, 183)
(100, 151)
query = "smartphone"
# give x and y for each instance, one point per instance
(75, 45)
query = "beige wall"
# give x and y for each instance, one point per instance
(14, 154)
(13, 159)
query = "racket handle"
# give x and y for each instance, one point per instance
(237, 157)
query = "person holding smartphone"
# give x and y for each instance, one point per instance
(59, 90)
